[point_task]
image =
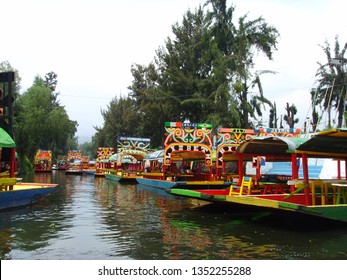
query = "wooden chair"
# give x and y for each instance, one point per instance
(315, 185)
(245, 188)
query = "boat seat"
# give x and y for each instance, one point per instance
(6, 182)
(245, 188)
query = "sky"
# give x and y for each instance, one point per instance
(91, 46)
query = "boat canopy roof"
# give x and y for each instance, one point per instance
(6, 140)
(274, 147)
(327, 144)
(155, 155)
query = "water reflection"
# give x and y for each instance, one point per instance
(93, 218)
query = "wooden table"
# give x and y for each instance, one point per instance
(269, 186)
(341, 192)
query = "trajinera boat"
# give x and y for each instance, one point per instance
(43, 161)
(74, 163)
(127, 164)
(102, 162)
(299, 194)
(185, 162)
(17, 194)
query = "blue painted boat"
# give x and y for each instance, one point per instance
(13, 194)
(157, 183)
(24, 194)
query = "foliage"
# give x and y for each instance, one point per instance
(120, 119)
(332, 81)
(204, 73)
(88, 149)
(41, 123)
(239, 43)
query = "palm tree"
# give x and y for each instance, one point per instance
(332, 80)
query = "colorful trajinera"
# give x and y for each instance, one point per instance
(186, 161)
(323, 198)
(102, 162)
(43, 161)
(74, 162)
(228, 166)
(128, 162)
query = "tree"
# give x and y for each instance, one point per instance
(120, 119)
(290, 117)
(151, 102)
(332, 81)
(40, 124)
(202, 74)
(191, 68)
(239, 45)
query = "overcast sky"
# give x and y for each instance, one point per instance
(91, 46)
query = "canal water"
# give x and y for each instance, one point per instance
(91, 218)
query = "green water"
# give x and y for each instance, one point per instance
(91, 218)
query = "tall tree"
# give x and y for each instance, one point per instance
(332, 81)
(151, 102)
(239, 44)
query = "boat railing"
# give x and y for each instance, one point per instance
(322, 191)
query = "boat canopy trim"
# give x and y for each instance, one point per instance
(188, 152)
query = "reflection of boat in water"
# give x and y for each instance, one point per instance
(310, 198)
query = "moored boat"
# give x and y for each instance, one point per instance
(102, 162)
(74, 163)
(12, 193)
(186, 160)
(127, 164)
(23, 194)
(325, 198)
(43, 161)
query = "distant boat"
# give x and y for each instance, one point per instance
(74, 166)
(127, 164)
(43, 161)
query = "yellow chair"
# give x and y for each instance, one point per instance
(318, 184)
(245, 188)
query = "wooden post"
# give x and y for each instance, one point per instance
(306, 179)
